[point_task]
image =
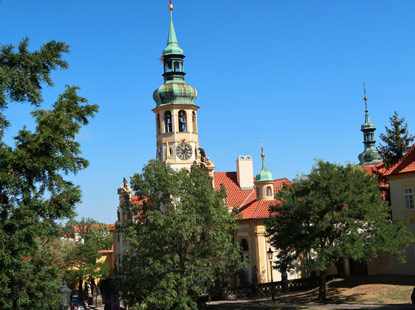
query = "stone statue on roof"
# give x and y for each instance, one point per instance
(126, 188)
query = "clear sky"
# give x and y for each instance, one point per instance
(287, 71)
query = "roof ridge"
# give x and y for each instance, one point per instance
(242, 204)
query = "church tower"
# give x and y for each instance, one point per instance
(370, 155)
(176, 112)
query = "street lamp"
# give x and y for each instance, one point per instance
(66, 295)
(270, 254)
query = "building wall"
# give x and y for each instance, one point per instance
(388, 264)
(254, 232)
(397, 184)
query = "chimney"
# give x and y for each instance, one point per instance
(245, 172)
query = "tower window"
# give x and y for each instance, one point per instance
(167, 119)
(269, 191)
(194, 121)
(182, 121)
(167, 66)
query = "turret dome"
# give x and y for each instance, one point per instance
(264, 174)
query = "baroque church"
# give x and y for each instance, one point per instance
(177, 145)
(249, 197)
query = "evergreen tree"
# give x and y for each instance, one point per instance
(335, 212)
(33, 191)
(180, 240)
(397, 140)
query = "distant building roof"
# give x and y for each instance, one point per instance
(109, 227)
(405, 165)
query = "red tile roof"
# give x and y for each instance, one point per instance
(236, 196)
(245, 199)
(256, 209)
(405, 165)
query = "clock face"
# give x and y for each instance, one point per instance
(184, 151)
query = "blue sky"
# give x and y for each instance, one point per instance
(287, 71)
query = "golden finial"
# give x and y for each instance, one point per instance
(170, 6)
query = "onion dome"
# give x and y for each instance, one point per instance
(175, 93)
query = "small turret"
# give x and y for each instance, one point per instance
(264, 182)
(370, 155)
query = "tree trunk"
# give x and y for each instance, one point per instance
(284, 279)
(322, 288)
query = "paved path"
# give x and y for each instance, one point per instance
(268, 304)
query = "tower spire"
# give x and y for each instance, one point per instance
(370, 155)
(172, 43)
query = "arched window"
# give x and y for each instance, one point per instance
(167, 120)
(158, 123)
(269, 191)
(244, 245)
(257, 193)
(194, 121)
(182, 121)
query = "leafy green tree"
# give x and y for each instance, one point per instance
(335, 212)
(397, 140)
(180, 240)
(33, 191)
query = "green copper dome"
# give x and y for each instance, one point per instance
(175, 93)
(264, 174)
